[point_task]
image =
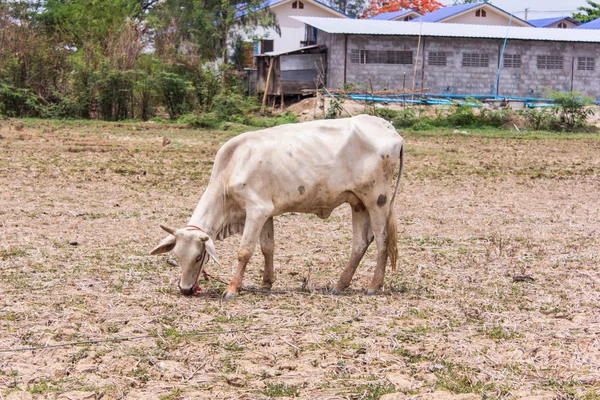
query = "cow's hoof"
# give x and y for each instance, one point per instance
(229, 296)
(335, 292)
(266, 287)
(372, 292)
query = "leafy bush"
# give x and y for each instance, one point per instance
(462, 116)
(572, 109)
(204, 120)
(114, 93)
(18, 102)
(539, 118)
(264, 122)
(228, 105)
(173, 89)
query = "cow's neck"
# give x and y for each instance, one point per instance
(209, 213)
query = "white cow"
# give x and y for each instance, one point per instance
(307, 168)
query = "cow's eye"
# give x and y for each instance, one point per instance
(199, 258)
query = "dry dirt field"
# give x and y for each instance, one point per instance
(497, 294)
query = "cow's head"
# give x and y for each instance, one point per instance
(192, 249)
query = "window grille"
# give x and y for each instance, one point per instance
(550, 62)
(480, 13)
(475, 60)
(381, 57)
(562, 25)
(437, 58)
(586, 64)
(298, 4)
(512, 61)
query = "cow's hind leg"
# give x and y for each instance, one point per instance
(267, 244)
(362, 236)
(255, 220)
(379, 223)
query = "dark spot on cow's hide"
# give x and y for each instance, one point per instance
(301, 189)
(381, 200)
(359, 207)
(382, 157)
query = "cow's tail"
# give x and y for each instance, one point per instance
(392, 248)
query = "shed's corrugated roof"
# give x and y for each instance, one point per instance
(402, 28)
(594, 24)
(294, 51)
(388, 16)
(540, 23)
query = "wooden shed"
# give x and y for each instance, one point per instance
(291, 72)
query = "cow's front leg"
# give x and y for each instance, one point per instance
(255, 220)
(267, 245)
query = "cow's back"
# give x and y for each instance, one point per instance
(311, 167)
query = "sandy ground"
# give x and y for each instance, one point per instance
(496, 295)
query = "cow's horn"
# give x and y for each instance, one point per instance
(167, 229)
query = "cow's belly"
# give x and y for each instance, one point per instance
(318, 201)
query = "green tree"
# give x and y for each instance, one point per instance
(203, 28)
(352, 8)
(589, 13)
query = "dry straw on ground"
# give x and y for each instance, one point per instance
(80, 206)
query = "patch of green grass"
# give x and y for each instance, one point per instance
(566, 388)
(373, 391)
(416, 334)
(499, 333)
(276, 389)
(229, 366)
(233, 346)
(8, 254)
(80, 355)
(44, 386)
(174, 394)
(141, 373)
(459, 379)
(410, 357)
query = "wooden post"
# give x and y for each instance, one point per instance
(264, 102)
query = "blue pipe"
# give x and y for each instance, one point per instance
(444, 98)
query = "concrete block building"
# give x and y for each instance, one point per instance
(458, 58)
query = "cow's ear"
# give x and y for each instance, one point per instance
(210, 249)
(166, 245)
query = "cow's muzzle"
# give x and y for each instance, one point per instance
(187, 292)
(191, 291)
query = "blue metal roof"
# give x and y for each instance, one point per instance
(388, 16)
(447, 12)
(541, 23)
(594, 24)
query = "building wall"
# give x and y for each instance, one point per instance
(292, 31)
(335, 58)
(569, 24)
(526, 80)
(493, 17)
(382, 76)
(454, 77)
